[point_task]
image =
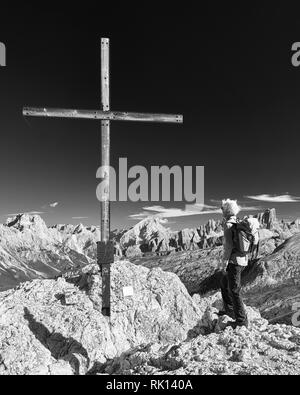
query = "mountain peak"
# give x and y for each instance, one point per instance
(152, 221)
(150, 231)
(26, 221)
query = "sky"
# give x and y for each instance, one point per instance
(227, 70)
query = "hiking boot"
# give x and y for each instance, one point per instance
(235, 325)
(229, 314)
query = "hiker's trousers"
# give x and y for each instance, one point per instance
(231, 284)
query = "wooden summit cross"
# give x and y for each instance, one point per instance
(105, 246)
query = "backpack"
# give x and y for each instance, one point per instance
(246, 235)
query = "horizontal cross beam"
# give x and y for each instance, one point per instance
(101, 115)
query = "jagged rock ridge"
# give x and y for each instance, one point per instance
(150, 236)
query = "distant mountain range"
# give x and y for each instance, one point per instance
(31, 250)
(150, 236)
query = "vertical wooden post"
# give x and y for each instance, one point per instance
(105, 247)
(105, 77)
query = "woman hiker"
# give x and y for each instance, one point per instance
(233, 265)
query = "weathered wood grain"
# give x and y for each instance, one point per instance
(102, 115)
(105, 141)
(106, 253)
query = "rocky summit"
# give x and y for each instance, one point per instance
(55, 327)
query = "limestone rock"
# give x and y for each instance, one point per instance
(259, 350)
(273, 284)
(55, 326)
(268, 219)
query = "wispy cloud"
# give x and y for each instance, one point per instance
(163, 212)
(77, 218)
(275, 198)
(189, 211)
(29, 213)
(251, 208)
